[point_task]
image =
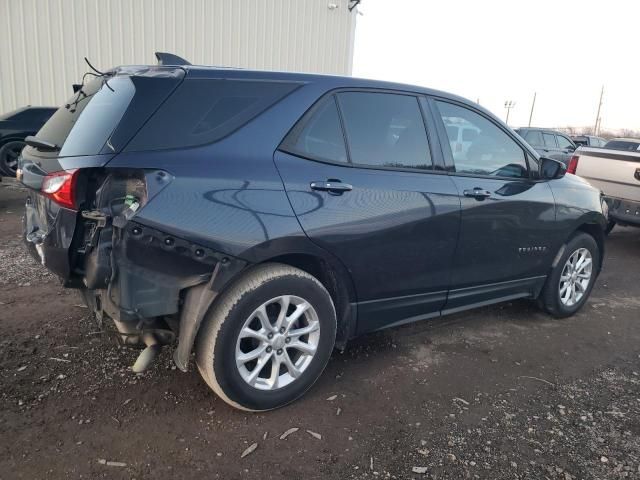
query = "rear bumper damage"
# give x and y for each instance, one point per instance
(155, 287)
(152, 286)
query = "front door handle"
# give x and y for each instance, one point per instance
(477, 193)
(334, 187)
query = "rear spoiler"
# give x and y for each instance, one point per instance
(162, 57)
(170, 59)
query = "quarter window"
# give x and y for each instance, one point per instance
(488, 151)
(385, 130)
(319, 135)
(549, 140)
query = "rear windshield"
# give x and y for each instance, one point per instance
(83, 125)
(103, 115)
(622, 145)
(203, 111)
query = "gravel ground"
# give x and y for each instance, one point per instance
(500, 392)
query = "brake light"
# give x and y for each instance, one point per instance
(61, 187)
(573, 164)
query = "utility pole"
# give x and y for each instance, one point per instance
(597, 125)
(509, 104)
(533, 104)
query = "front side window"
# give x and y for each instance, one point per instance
(488, 151)
(549, 140)
(319, 134)
(564, 142)
(385, 130)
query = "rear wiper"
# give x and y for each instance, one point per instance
(40, 144)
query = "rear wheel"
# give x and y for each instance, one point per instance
(268, 338)
(9, 154)
(571, 280)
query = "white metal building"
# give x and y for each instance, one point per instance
(43, 42)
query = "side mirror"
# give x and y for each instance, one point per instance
(551, 169)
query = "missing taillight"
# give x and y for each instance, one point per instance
(61, 187)
(573, 164)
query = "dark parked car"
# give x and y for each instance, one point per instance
(588, 141)
(265, 218)
(549, 143)
(14, 127)
(627, 144)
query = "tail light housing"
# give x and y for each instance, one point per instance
(61, 187)
(573, 164)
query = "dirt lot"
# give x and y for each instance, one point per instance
(500, 392)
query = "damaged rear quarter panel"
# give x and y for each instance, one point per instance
(213, 201)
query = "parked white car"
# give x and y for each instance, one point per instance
(617, 173)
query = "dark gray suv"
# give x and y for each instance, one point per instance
(549, 143)
(263, 218)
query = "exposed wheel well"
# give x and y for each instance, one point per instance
(335, 285)
(598, 235)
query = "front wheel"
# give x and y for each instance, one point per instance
(571, 280)
(268, 338)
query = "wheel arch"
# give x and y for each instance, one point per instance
(595, 230)
(336, 279)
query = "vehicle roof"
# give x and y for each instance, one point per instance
(544, 130)
(635, 140)
(331, 81)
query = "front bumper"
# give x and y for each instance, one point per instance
(626, 212)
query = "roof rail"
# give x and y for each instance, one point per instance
(170, 59)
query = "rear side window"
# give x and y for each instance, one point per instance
(385, 130)
(203, 111)
(319, 134)
(534, 137)
(549, 140)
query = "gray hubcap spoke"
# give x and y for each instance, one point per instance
(575, 277)
(277, 342)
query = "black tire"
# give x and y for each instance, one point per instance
(9, 153)
(218, 336)
(609, 227)
(549, 298)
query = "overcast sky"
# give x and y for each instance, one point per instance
(498, 50)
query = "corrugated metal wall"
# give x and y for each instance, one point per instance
(43, 42)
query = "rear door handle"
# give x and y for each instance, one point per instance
(477, 193)
(334, 187)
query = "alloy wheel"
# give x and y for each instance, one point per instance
(575, 277)
(277, 342)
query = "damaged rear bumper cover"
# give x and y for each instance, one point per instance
(154, 286)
